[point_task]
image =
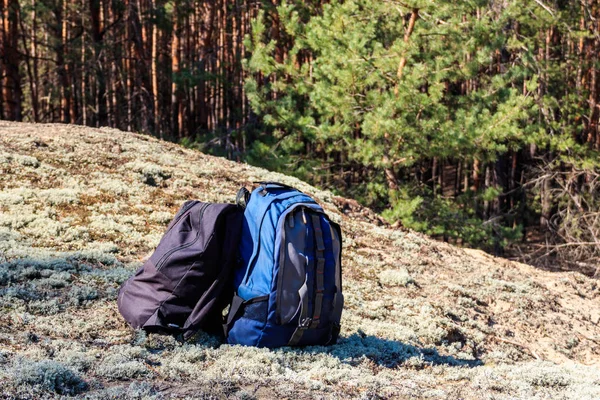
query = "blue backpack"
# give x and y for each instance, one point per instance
(288, 279)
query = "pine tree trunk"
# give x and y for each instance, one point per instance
(28, 64)
(476, 176)
(155, 89)
(131, 16)
(409, 30)
(593, 137)
(174, 72)
(546, 199)
(111, 73)
(449, 174)
(434, 175)
(65, 91)
(84, 76)
(11, 83)
(97, 19)
(487, 183)
(206, 51)
(392, 180)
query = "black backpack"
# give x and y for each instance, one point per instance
(186, 283)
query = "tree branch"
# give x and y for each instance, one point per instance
(411, 26)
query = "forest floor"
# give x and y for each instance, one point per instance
(81, 208)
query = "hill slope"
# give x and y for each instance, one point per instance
(81, 208)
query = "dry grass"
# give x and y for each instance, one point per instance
(81, 208)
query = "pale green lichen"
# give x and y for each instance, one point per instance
(11, 198)
(81, 295)
(113, 186)
(161, 217)
(46, 228)
(72, 233)
(133, 390)
(396, 277)
(50, 375)
(17, 221)
(55, 197)
(78, 360)
(124, 362)
(150, 174)
(26, 161)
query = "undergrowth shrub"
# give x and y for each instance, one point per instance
(455, 220)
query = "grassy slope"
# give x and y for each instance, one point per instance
(81, 208)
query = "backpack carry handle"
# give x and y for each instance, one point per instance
(275, 185)
(242, 197)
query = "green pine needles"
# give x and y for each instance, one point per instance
(411, 104)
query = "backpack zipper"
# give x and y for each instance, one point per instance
(168, 254)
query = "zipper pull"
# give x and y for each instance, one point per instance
(304, 217)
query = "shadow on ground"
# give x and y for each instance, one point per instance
(355, 348)
(388, 353)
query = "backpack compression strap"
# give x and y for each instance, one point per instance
(319, 272)
(305, 323)
(338, 298)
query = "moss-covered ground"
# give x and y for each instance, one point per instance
(81, 208)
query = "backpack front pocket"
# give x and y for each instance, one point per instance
(296, 265)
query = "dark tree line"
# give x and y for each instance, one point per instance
(169, 68)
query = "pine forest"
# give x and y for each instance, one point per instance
(473, 121)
